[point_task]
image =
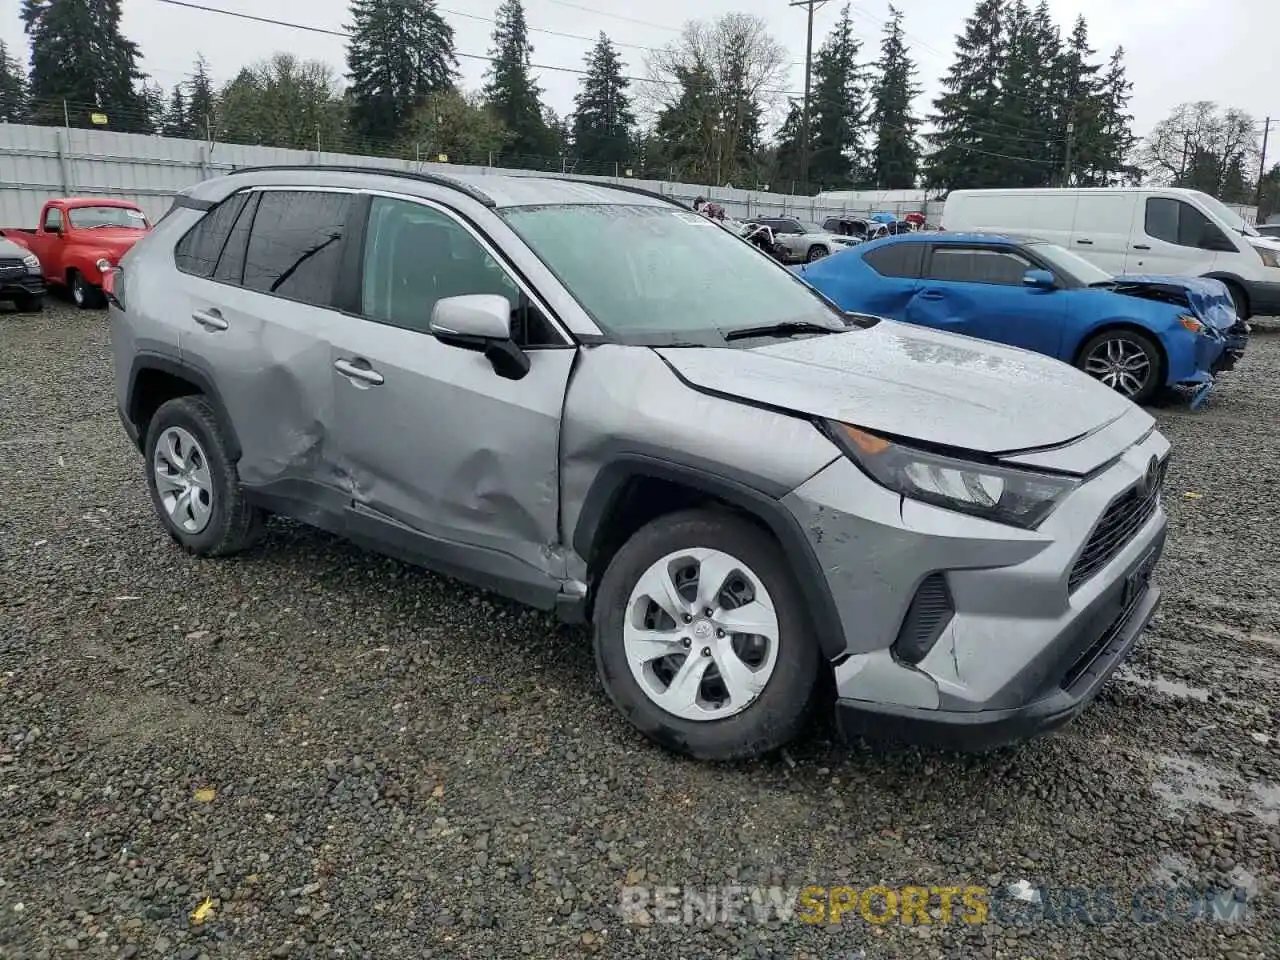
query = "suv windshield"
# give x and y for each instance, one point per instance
(657, 275)
(85, 218)
(1073, 265)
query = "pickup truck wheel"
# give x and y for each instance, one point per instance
(194, 485)
(84, 294)
(1125, 360)
(29, 304)
(701, 638)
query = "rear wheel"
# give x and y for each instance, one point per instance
(701, 639)
(1126, 361)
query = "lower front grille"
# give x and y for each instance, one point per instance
(1126, 515)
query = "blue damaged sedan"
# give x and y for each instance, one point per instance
(1137, 334)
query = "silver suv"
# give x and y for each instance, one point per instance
(590, 399)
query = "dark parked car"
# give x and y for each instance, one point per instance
(21, 279)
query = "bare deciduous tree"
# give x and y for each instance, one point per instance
(1199, 145)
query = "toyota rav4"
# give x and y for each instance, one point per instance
(590, 399)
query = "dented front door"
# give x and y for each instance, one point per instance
(429, 437)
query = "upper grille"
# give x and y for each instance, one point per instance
(1125, 517)
(12, 267)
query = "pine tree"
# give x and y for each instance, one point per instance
(400, 52)
(510, 89)
(202, 101)
(838, 104)
(1025, 158)
(687, 128)
(1115, 126)
(966, 151)
(79, 57)
(895, 159)
(1079, 105)
(602, 117)
(786, 172)
(154, 103)
(13, 88)
(176, 122)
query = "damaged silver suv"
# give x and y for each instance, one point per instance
(590, 399)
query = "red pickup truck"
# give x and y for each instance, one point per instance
(79, 239)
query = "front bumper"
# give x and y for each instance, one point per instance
(1026, 635)
(30, 285)
(1237, 340)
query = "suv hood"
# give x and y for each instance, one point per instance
(1207, 298)
(915, 383)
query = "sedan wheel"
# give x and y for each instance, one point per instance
(1125, 361)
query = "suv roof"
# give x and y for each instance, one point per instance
(491, 189)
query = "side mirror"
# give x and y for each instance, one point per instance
(1039, 280)
(481, 322)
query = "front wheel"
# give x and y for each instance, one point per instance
(815, 253)
(701, 639)
(84, 294)
(1126, 361)
(1238, 300)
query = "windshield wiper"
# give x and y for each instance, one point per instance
(788, 328)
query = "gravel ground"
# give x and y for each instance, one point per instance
(340, 756)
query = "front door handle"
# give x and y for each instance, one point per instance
(365, 373)
(210, 319)
(1085, 243)
(1141, 246)
(931, 295)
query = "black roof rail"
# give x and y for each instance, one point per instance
(433, 178)
(625, 188)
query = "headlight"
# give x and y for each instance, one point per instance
(32, 263)
(1270, 258)
(1020, 498)
(1191, 323)
(103, 265)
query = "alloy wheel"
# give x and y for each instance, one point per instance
(183, 480)
(701, 634)
(1120, 364)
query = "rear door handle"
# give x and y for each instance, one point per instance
(1141, 246)
(365, 373)
(931, 295)
(1085, 243)
(210, 319)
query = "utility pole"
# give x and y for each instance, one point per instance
(1262, 163)
(810, 6)
(1066, 169)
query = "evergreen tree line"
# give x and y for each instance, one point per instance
(1021, 104)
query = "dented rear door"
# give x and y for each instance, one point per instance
(430, 437)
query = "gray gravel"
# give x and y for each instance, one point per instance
(403, 767)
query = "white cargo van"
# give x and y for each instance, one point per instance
(1140, 230)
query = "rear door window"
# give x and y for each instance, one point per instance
(295, 244)
(1002, 267)
(897, 260)
(198, 251)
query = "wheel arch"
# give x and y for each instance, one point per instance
(154, 380)
(1133, 326)
(635, 489)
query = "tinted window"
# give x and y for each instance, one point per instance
(978, 266)
(415, 256)
(197, 252)
(85, 218)
(898, 260)
(53, 219)
(230, 268)
(294, 247)
(1174, 221)
(784, 226)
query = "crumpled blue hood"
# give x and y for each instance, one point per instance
(1208, 298)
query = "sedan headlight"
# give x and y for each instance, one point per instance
(32, 263)
(1270, 258)
(1020, 498)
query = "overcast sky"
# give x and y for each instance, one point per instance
(1177, 50)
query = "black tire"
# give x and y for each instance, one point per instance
(815, 253)
(83, 293)
(29, 304)
(775, 717)
(1239, 299)
(1155, 359)
(234, 524)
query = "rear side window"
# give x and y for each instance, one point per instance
(198, 251)
(1174, 221)
(295, 244)
(897, 260)
(978, 265)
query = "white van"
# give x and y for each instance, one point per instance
(1140, 230)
